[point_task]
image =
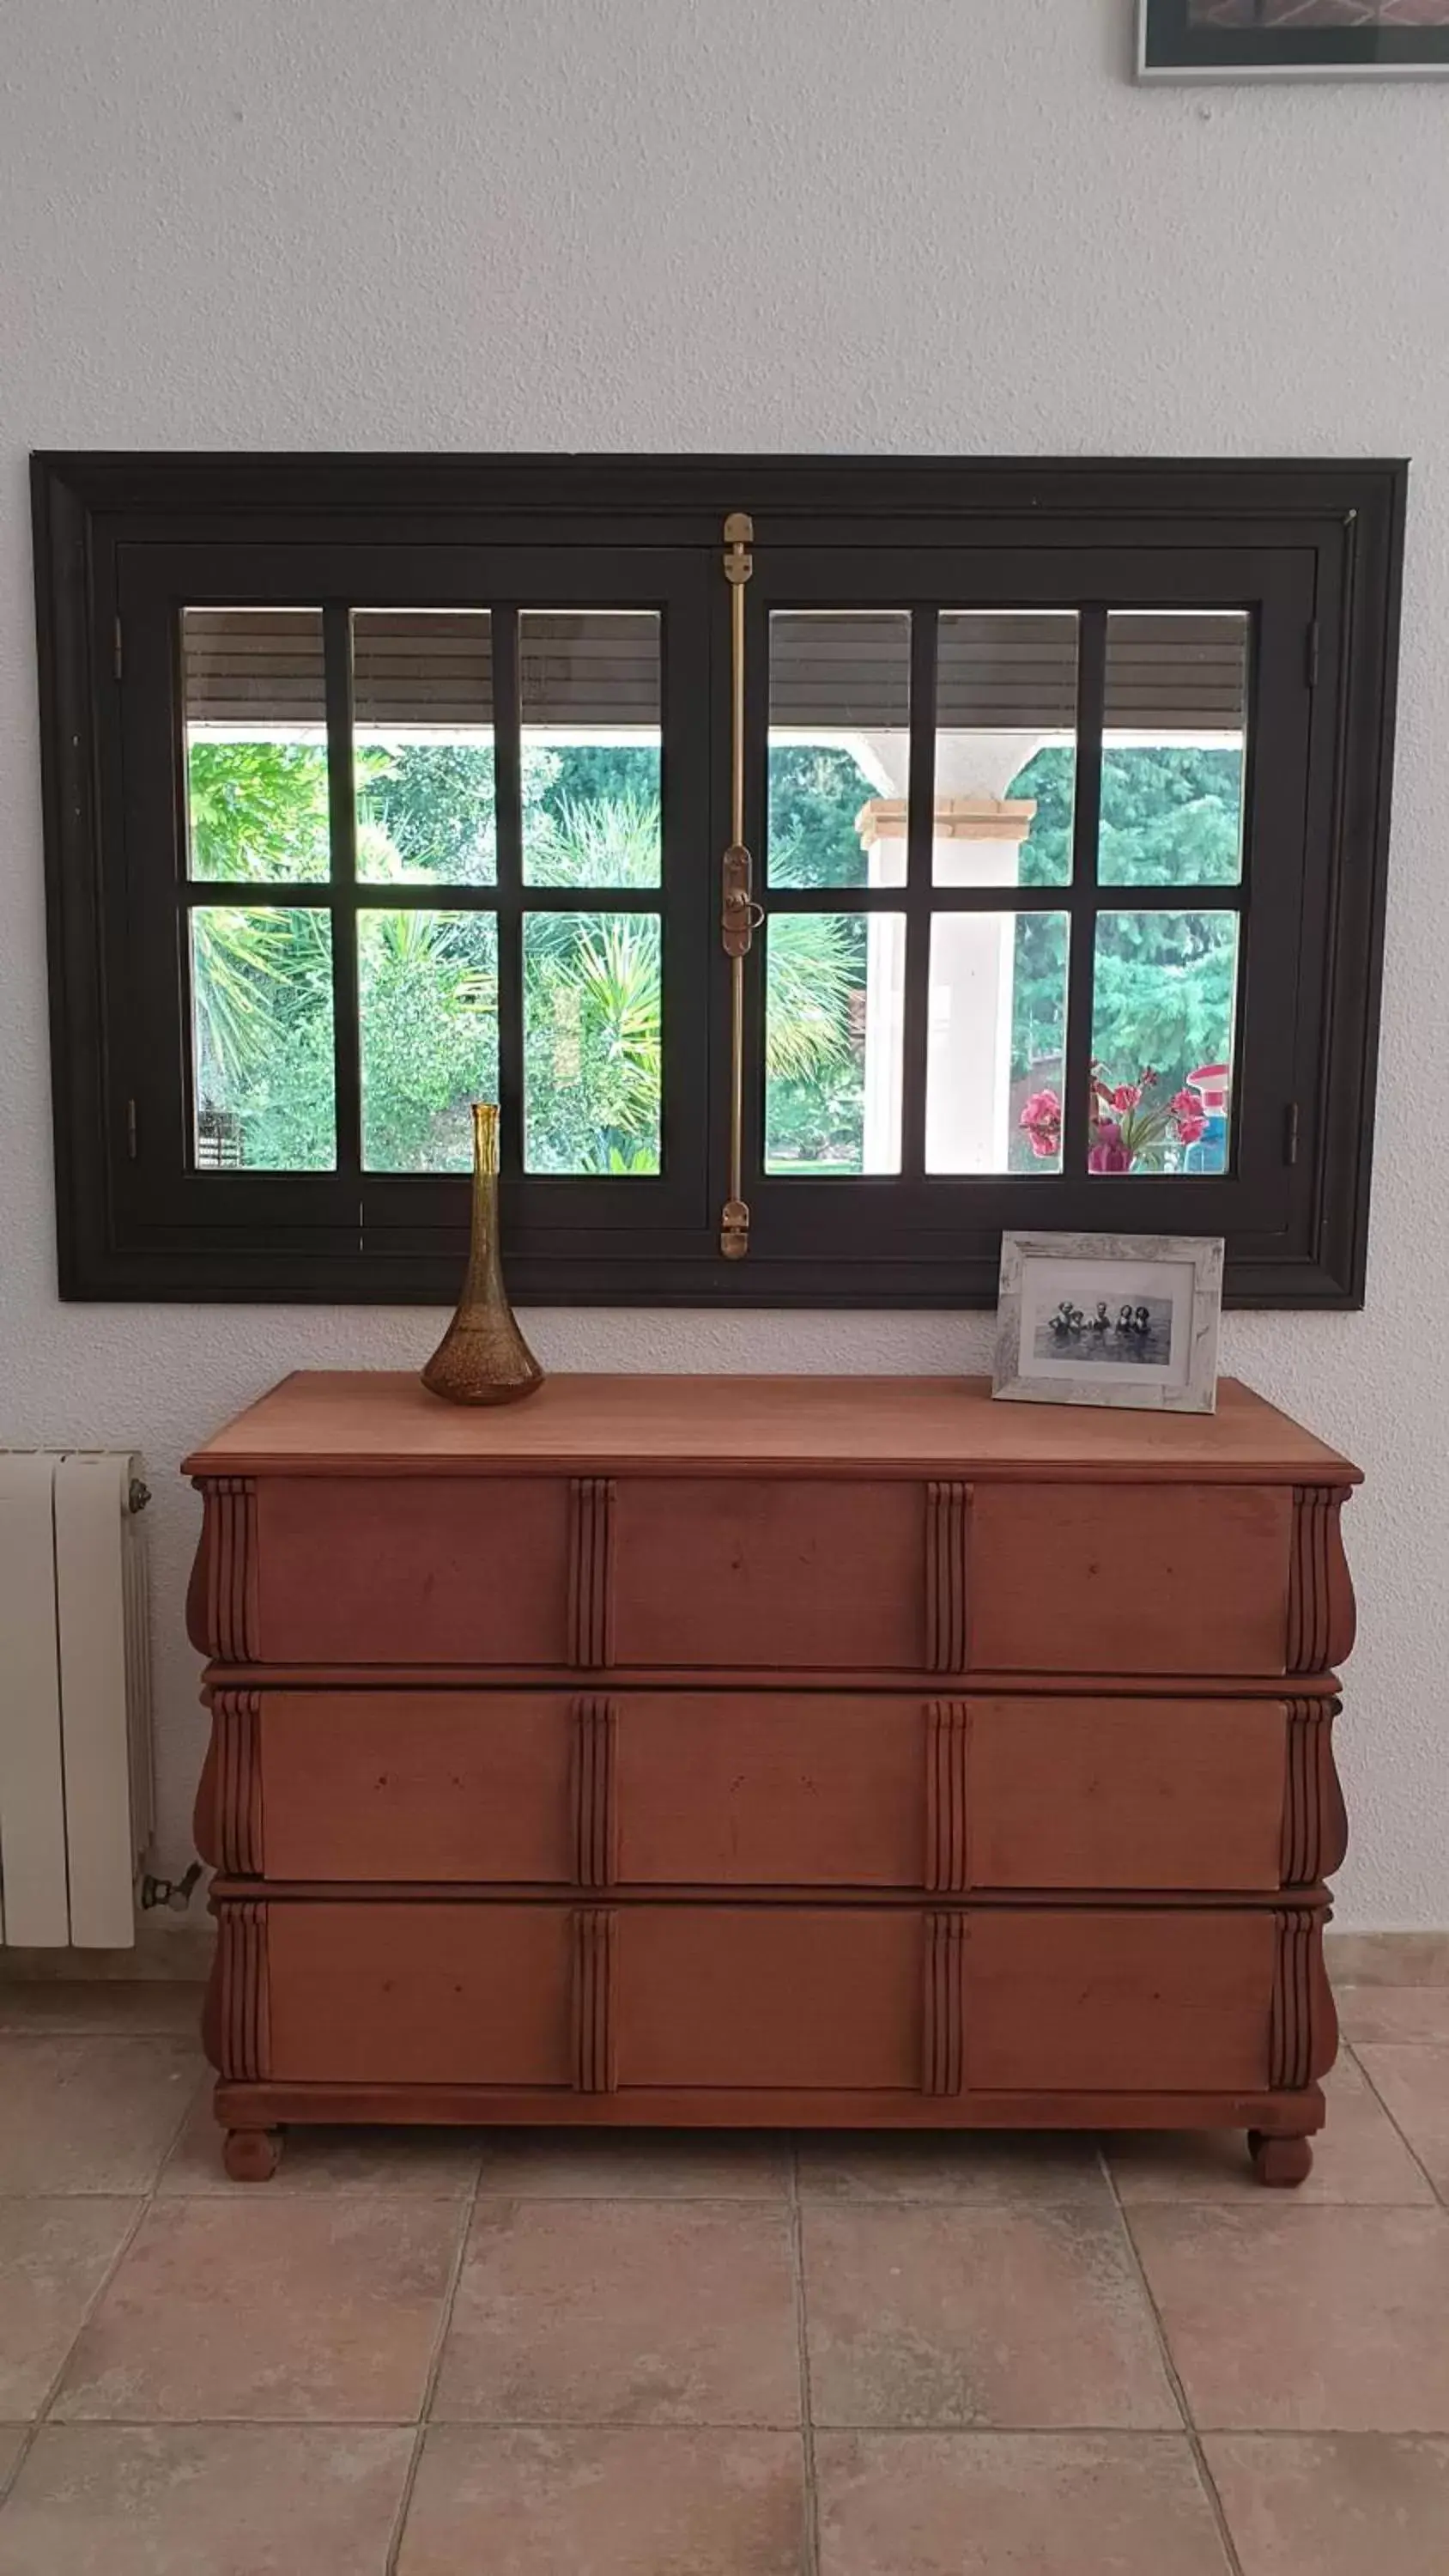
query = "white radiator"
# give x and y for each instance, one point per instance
(75, 1699)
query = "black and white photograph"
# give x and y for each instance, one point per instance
(1293, 39)
(1136, 1333)
(1109, 1319)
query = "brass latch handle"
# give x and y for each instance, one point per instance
(740, 915)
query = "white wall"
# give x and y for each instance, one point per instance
(881, 226)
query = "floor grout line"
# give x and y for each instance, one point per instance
(430, 2383)
(810, 2537)
(41, 2416)
(1440, 2200)
(1200, 2460)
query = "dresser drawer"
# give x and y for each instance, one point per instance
(770, 1789)
(672, 1999)
(720, 1575)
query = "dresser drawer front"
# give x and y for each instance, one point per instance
(747, 1574)
(448, 1785)
(720, 1789)
(1120, 2002)
(413, 1570)
(1144, 1578)
(742, 1574)
(785, 2002)
(419, 1994)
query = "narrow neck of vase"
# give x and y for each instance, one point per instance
(483, 1233)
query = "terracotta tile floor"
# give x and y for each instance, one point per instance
(429, 2354)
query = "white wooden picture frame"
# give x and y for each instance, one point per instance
(1116, 1319)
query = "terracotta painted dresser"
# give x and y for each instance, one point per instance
(772, 1750)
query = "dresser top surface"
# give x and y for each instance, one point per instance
(365, 1421)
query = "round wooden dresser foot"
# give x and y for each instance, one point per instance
(252, 2155)
(1282, 2163)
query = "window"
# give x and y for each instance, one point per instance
(374, 786)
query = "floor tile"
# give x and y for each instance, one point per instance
(1417, 2013)
(1358, 2157)
(1387, 1958)
(615, 2503)
(151, 2007)
(1304, 2320)
(1351, 2504)
(623, 2312)
(213, 2500)
(1413, 2083)
(963, 2165)
(54, 2256)
(438, 2164)
(12, 2442)
(635, 2164)
(981, 2504)
(91, 2114)
(965, 2317)
(275, 2309)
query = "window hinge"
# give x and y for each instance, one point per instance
(131, 1130)
(120, 650)
(1290, 1132)
(1310, 653)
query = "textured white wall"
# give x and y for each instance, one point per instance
(934, 225)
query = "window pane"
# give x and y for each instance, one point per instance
(840, 746)
(589, 692)
(422, 706)
(256, 745)
(428, 1007)
(1173, 748)
(833, 986)
(1006, 730)
(592, 1033)
(996, 1037)
(261, 1038)
(1162, 1041)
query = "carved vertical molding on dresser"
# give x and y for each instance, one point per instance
(941, 2038)
(591, 1572)
(947, 1867)
(596, 1729)
(221, 1605)
(1315, 1819)
(1321, 1617)
(236, 2032)
(1303, 2037)
(228, 1822)
(593, 1999)
(948, 1530)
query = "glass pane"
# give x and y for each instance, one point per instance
(1006, 760)
(1162, 1041)
(589, 691)
(422, 712)
(1173, 748)
(840, 746)
(256, 745)
(261, 1038)
(428, 1007)
(833, 987)
(996, 1037)
(592, 1034)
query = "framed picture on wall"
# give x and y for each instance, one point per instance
(1293, 39)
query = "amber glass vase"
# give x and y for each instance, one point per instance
(483, 1357)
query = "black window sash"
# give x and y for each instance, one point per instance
(794, 1216)
(161, 1193)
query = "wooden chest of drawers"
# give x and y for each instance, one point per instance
(770, 1750)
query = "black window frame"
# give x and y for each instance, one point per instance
(1327, 543)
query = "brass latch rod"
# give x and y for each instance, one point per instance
(739, 914)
